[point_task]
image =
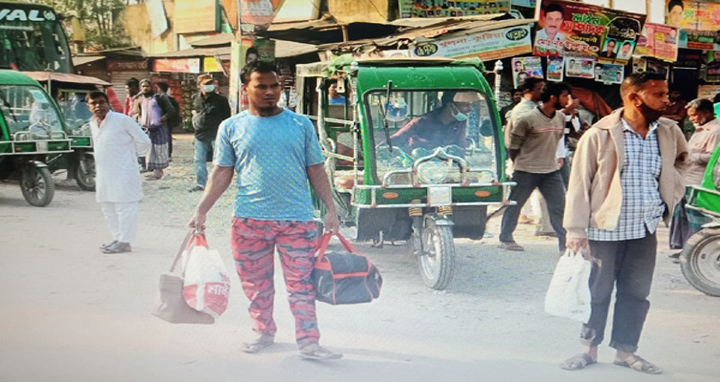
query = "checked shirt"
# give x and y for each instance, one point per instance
(642, 207)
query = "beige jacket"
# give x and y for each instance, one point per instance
(594, 196)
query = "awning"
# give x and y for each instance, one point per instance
(326, 30)
(284, 49)
(66, 77)
(82, 60)
(222, 39)
(223, 52)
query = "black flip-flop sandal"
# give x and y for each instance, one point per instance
(578, 362)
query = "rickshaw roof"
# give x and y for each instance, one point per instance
(13, 77)
(66, 77)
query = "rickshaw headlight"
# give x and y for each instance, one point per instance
(432, 172)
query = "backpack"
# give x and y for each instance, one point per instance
(174, 119)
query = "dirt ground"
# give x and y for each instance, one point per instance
(70, 313)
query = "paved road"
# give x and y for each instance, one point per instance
(70, 313)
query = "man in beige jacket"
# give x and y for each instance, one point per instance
(626, 177)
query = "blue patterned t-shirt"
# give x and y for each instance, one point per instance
(270, 156)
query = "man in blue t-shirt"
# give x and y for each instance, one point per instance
(275, 153)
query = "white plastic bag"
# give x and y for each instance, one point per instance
(207, 285)
(569, 292)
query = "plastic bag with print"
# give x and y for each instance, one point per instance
(207, 285)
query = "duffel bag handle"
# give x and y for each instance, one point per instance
(186, 242)
(325, 241)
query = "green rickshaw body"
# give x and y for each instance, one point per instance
(30, 122)
(427, 78)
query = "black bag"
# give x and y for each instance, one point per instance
(342, 278)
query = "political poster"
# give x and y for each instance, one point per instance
(659, 41)
(555, 68)
(579, 67)
(609, 73)
(698, 21)
(526, 67)
(577, 29)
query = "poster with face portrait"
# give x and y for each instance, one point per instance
(526, 67)
(659, 41)
(609, 73)
(698, 21)
(579, 67)
(555, 68)
(577, 29)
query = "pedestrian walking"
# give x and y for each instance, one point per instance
(627, 176)
(174, 121)
(275, 153)
(209, 110)
(153, 112)
(533, 148)
(118, 141)
(686, 222)
(132, 87)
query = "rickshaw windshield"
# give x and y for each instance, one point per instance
(29, 108)
(419, 122)
(75, 111)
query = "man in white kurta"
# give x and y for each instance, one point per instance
(118, 140)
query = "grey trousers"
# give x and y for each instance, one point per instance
(628, 267)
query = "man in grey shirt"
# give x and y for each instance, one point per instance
(532, 148)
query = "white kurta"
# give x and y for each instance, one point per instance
(119, 140)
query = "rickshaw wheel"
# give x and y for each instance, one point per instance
(37, 186)
(437, 264)
(700, 261)
(85, 173)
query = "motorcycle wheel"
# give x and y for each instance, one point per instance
(37, 186)
(85, 173)
(437, 263)
(700, 261)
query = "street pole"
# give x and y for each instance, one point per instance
(498, 78)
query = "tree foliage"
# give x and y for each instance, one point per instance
(99, 17)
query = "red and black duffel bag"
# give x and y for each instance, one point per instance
(342, 278)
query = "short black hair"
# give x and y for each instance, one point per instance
(717, 98)
(529, 84)
(516, 90)
(256, 66)
(554, 8)
(701, 104)
(133, 83)
(637, 81)
(163, 86)
(674, 3)
(96, 95)
(627, 43)
(554, 89)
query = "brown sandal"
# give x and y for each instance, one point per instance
(637, 363)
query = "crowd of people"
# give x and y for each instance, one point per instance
(629, 173)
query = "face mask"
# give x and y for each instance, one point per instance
(650, 114)
(461, 117)
(209, 88)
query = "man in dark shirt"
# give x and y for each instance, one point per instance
(440, 127)
(517, 95)
(676, 111)
(209, 109)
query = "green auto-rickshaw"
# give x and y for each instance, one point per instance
(425, 194)
(32, 135)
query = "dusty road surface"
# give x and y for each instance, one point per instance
(70, 313)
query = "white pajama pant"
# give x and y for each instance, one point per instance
(122, 220)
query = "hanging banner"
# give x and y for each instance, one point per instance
(659, 41)
(458, 8)
(177, 65)
(556, 68)
(579, 67)
(576, 29)
(256, 15)
(526, 67)
(609, 73)
(698, 20)
(712, 66)
(490, 45)
(708, 91)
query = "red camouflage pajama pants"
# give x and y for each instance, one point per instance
(253, 246)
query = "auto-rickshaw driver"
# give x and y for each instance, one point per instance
(444, 126)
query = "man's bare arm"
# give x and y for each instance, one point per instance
(320, 184)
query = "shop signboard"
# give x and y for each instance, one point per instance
(708, 91)
(526, 67)
(127, 66)
(659, 41)
(577, 29)
(177, 65)
(445, 8)
(489, 45)
(698, 20)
